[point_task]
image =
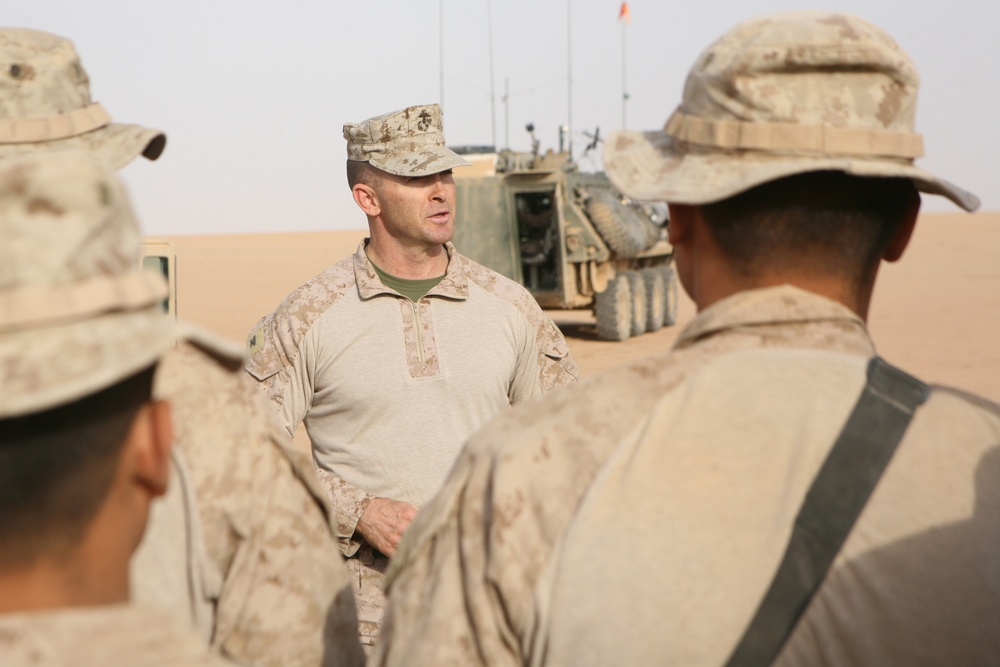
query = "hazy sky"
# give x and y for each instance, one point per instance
(253, 94)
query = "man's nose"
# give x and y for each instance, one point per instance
(438, 189)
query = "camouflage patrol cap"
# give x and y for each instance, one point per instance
(405, 143)
(45, 104)
(76, 312)
(777, 96)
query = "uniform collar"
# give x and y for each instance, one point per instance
(94, 636)
(454, 285)
(770, 306)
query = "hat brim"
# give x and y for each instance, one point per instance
(115, 144)
(652, 166)
(51, 366)
(425, 162)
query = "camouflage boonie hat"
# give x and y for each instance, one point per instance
(405, 143)
(45, 104)
(76, 312)
(777, 96)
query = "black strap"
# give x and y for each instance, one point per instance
(832, 505)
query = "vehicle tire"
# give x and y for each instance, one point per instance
(670, 295)
(656, 300)
(622, 228)
(613, 309)
(639, 311)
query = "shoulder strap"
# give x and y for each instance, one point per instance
(832, 505)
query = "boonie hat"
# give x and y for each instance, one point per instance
(405, 143)
(781, 95)
(76, 312)
(45, 104)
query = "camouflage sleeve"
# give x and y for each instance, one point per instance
(277, 362)
(558, 369)
(527, 381)
(285, 597)
(556, 365)
(349, 502)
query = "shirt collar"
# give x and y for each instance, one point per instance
(768, 307)
(454, 285)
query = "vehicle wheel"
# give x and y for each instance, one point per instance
(670, 296)
(639, 310)
(613, 309)
(656, 301)
(622, 228)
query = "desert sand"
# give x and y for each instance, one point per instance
(935, 313)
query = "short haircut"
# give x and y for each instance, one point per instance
(824, 222)
(56, 467)
(363, 172)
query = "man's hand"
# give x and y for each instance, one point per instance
(383, 522)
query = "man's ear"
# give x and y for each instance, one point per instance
(151, 438)
(901, 238)
(365, 198)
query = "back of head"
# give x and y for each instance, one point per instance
(56, 467)
(45, 104)
(81, 327)
(825, 224)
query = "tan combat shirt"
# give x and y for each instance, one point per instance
(638, 519)
(119, 635)
(389, 389)
(260, 545)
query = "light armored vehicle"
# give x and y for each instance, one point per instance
(569, 237)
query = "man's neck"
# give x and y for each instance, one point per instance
(707, 292)
(417, 263)
(67, 581)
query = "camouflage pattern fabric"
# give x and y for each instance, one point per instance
(120, 635)
(409, 142)
(284, 596)
(45, 104)
(780, 95)
(638, 518)
(367, 569)
(76, 313)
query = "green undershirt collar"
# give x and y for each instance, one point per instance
(411, 289)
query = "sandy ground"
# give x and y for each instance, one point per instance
(935, 313)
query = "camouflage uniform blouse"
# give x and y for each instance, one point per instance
(638, 518)
(390, 389)
(120, 635)
(387, 386)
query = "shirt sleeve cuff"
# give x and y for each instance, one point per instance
(349, 503)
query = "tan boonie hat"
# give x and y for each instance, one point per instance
(45, 104)
(76, 312)
(405, 143)
(777, 96)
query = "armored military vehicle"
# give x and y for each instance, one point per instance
(568, 236)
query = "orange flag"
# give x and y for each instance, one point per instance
(624, 13)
